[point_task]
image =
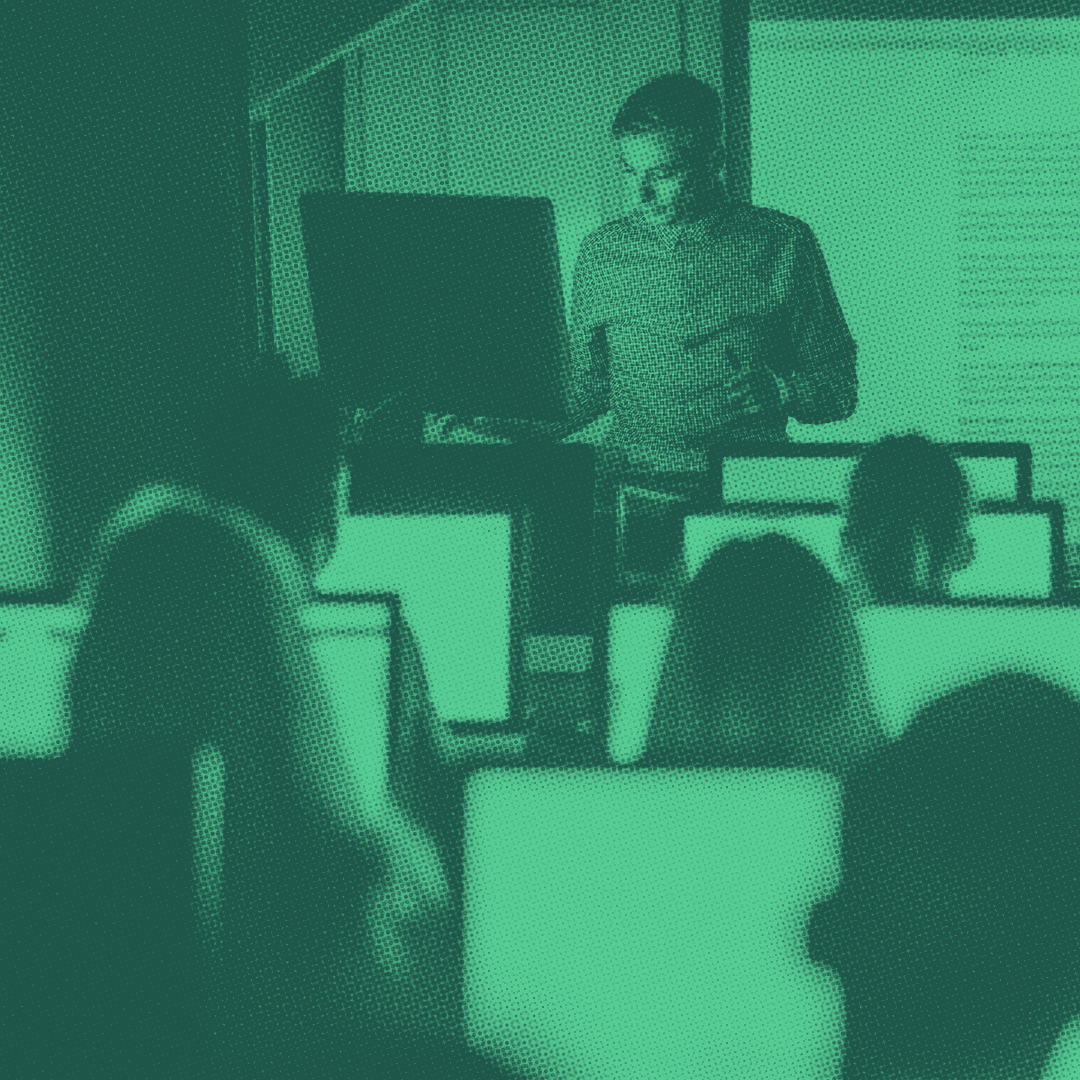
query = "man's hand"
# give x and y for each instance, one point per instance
(755, 390)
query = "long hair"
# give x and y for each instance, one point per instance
(954, 929)
(686, 108)
(758, 670)
(904, 486)
(195, 641)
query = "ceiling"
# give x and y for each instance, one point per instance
(290, 36)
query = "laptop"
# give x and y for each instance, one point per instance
(650, 923)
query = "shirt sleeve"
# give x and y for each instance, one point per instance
(587, 389)
(823, 384)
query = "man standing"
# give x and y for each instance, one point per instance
(694, 318)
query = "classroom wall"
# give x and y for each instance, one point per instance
(127, 228)
(946, 215)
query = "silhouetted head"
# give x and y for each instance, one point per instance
(906, 531)
(760, 656)
(272, 445)
(955, 929)
(174, 581)
(669, 137)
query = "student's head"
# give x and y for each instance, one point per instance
(906, 531)
(760, 656)
(272, 445)
(954, 929)
(669, 139)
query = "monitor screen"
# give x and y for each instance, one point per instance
(915, 653)
(453, 300)
(1013, 557)
(992, 478)
(787, 479)
(37, 647)
(453, 574)
(703, 534)
(825, 477)
(638, 636)
(617, 922)
(1013, 548)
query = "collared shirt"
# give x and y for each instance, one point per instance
(662, 316)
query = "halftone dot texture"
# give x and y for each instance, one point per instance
(650, 923)
(681, 309)
(825, 479)
(210, 794)
(913, 654)
(845, 133)
(24, 534)
(453, 575)
(762, 668)
(954, 930)
(127, 169)
(1013, 553)
(935, 159)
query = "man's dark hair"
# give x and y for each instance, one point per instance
(904, 485)
(271, 444)
(687, 108)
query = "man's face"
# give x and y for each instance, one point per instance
(664, 186)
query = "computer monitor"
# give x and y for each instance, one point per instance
(455, 301)
(350, 640)
(1019, 549)
(453, 572)
(816, 528)
(481, 542)
(821, 472)
(638, 637)
(916, 653)
(1019, 553)
(37, 647)
(650, 923)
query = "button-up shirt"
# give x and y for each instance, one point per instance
(663, 315)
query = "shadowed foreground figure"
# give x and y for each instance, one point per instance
(763, 668)
(906, 528)
(955, 929)
(190, 882)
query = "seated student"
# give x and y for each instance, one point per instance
(955, 930)
(168, 960)
(762, 669)
(906, 529)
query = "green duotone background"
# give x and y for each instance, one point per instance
(898, 133)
